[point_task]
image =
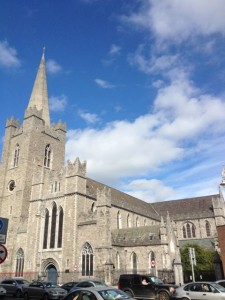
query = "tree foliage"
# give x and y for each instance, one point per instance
(204, 258)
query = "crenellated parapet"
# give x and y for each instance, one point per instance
(33, 111)
(76, 168)
(59, 126)
(12, 123)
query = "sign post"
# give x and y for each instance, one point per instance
(192, 261)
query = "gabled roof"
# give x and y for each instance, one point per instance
(191, 208)
(123, 200)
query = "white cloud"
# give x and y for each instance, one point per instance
(57, 103)
(8, 56)
(151, 190)
(88, 117)
(175, 20)
(114, 50)
(53, 67)
(182, 118)
(103, 84)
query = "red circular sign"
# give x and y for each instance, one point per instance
(3, 253)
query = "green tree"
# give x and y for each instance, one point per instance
(204, 258)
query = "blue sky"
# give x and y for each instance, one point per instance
(139, 83)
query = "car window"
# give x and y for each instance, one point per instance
(87, 295)
(137, 280)
(195, 287)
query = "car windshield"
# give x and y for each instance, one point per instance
(218, 287)
(111, 294)
(50, 285)
(22, 282)
(155, 280)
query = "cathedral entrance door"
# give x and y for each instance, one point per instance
(52, 274)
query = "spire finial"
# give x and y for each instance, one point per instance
(43, 51)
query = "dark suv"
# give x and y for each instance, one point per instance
(145, 287)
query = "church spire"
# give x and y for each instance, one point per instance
(39, 95)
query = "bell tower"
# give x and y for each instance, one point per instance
(31, 151)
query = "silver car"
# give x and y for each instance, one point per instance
(2, 292)
(97, 293)
(200, 290)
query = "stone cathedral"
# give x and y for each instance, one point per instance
(65, 226)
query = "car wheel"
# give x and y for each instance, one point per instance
(45, 297)
(129, 293)
(18, 294)
(164, 296)
(185, 298)
(26, 296)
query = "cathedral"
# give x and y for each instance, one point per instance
(64, 226)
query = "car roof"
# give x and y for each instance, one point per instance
(95, 288)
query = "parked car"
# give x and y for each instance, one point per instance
(2, 292)
(145, 287)
(14, 287)
(97, 293)
(200, 290)
(221, 282)
(68, 285)
(43, 290)
(88, 283)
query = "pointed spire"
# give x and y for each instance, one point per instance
(39, 95)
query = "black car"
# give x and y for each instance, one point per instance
(145, 287)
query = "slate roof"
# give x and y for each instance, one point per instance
(123, 200)
(191, 208)
(142, 236)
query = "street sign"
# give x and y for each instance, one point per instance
(3, 253)
(3, 230)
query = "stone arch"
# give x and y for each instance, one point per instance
(50, 268)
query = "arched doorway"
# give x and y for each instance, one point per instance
(52, 274)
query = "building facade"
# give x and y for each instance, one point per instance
(65, 226)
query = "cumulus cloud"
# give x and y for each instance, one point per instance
(182, 116)
(53, 67)
(152, 190)
(175, 20)
(57, 103)
(103, 84)
(8, 56)
(89, 117)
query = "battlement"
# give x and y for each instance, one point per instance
(76, 168)
(12, 122)
(59, 126)
(33, 111)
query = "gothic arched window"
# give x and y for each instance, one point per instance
(151, 260)
(189, 230)
(128, 221)
(47, 158)
(87, 260)
(207, 228)
(16, 156)
(45, 238)
(119, 220)
(60, 230)
(137, 222)
(19, 263)
(53, 226)
(134, 262)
